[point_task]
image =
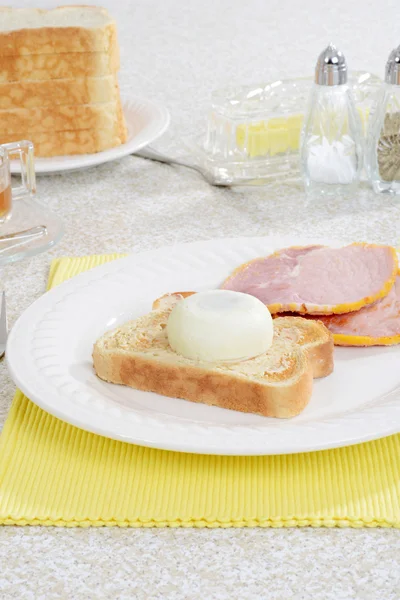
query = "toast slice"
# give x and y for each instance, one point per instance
(276, 384)
(316, 340)
(69, 65)
(58, 92)
(63, 29)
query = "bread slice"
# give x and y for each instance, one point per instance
(63, 29)
(276, 384)
(74, 141)
(69, 65)
(317, 342)
(58, 92)
(103, 115)
(63, 143)
(316, 339)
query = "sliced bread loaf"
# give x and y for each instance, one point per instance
(58, 80)
(103, 115)
(68, 65)
(63, 29)
(58, 92)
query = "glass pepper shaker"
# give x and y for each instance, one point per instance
(331, 150)
(383, 145)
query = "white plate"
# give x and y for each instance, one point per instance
(49, 356)
(146, 121)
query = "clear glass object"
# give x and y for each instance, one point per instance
(383, 144)
(27, 227)
(332, 145)
(253, 132)
(23, 150)
(332, 142)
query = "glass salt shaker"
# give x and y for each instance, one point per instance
(383, 145)
(331, 140)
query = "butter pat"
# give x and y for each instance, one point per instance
(220, 325)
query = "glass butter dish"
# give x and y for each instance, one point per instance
(253, 132)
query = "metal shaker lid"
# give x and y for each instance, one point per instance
(392, 71)
(331, 67)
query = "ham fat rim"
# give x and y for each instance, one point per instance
(235, 280)
(383, 315)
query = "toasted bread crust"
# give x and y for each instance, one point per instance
(207, 387)
(319, 344)
(321, 357)
(157, 303)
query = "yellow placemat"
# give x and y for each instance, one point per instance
(54, 474)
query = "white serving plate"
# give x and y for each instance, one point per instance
(49, 357)
(146, 121)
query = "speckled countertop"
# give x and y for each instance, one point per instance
(176, 53)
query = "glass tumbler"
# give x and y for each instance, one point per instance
(22, 150)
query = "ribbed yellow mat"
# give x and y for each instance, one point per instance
(54, 474)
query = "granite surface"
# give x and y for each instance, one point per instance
(176, 53)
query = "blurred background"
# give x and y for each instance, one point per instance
(178, 51)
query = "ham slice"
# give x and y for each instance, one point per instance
(317, 279)
(375, 325)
